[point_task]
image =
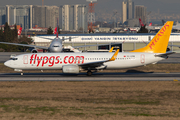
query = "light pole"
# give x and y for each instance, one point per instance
(83, 21)
(114, 18)
(148, 17)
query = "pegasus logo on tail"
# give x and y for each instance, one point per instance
(160, 42)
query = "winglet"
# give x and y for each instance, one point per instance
(114, 56)
(111, 49)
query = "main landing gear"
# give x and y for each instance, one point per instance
(89, 73)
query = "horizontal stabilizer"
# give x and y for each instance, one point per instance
(165, 54)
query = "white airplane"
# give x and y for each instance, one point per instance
(177, 26)
(76, 62)
(55, 46)
(156, 28)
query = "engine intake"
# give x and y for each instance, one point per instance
(34, 51)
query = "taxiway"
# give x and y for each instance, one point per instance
(94, 77)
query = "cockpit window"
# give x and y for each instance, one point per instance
(56, 46)
(14, 58)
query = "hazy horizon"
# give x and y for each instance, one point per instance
(164, 6)
(167, 7)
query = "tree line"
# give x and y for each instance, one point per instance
(11, 35)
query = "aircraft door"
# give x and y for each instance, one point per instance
(142, 59)
(25, 59)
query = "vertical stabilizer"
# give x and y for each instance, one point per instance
(141, 23)
(57, 29)
(150, 24)
(160, 42)
(19, 31)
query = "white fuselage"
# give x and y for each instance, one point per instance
(44, 61)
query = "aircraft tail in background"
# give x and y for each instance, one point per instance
(163, 22)
(19, 31)
(141, 23)
(160, 42)
(55, 31)
(150, 24)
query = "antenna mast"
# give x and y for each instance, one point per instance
(91, 15)
(42, 2)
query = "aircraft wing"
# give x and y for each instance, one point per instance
(26, 45)
(54, 38)
(99, 63)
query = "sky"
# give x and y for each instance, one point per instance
(164, 6)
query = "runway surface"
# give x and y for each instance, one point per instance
(94, 77)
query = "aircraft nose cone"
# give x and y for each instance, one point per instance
(7, 63)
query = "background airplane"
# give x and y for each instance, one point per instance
(55, 46)
(76, 62)
(136, 28)
(175, 28)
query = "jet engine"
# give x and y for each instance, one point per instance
(34, 51)
(70, 69)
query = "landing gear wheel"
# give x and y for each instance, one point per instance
(89, 73)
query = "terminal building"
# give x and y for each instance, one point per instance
(124, 42)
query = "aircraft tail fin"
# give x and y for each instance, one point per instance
(160, 42)
(55, 31)
(150, 24)
(141, 23)
(163, 22)
(19, 31)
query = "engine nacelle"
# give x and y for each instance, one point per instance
(70, 69)
(34, 51)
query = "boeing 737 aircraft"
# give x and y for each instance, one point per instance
(76, 62)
